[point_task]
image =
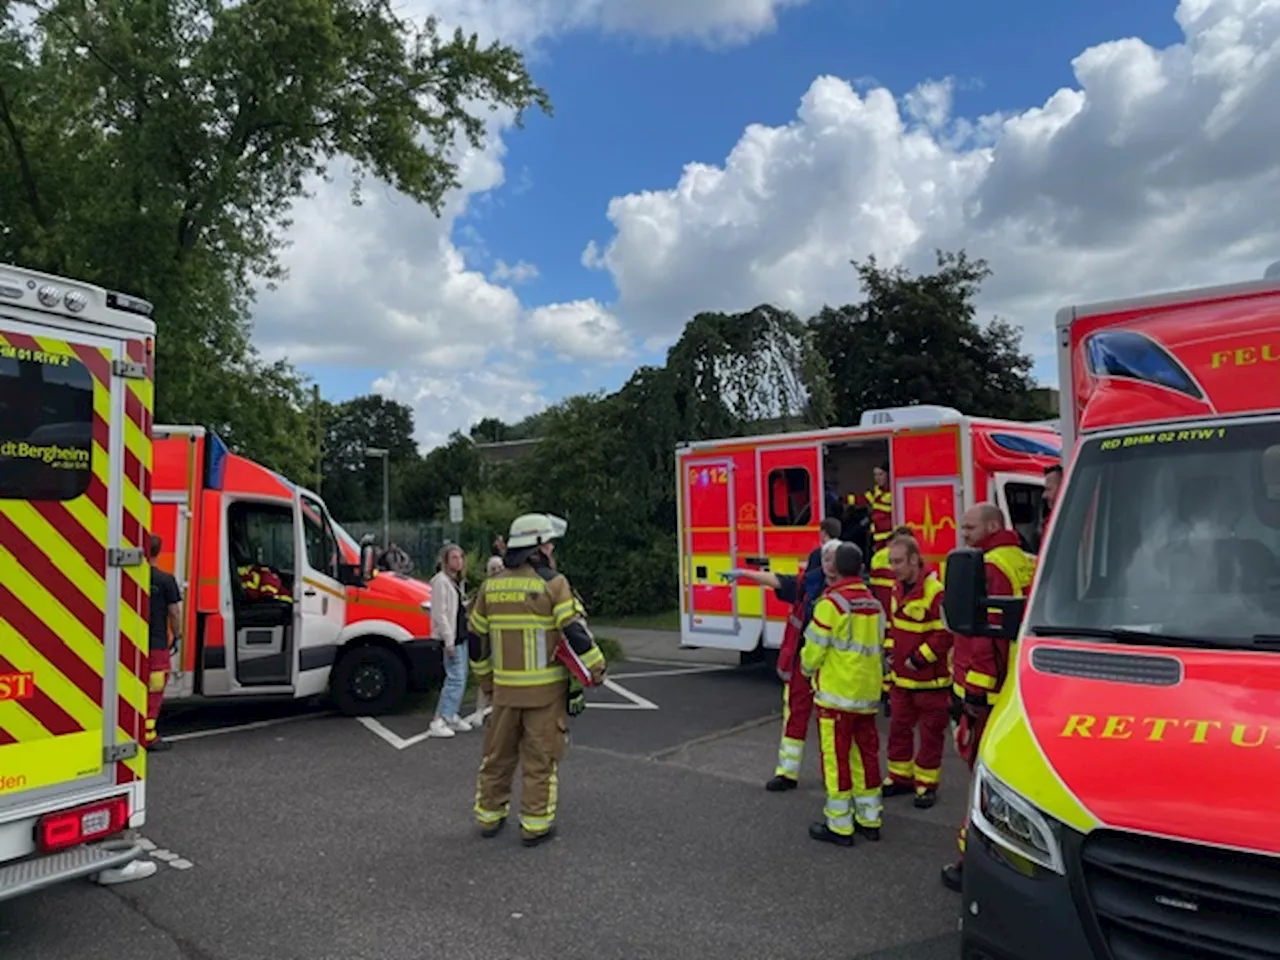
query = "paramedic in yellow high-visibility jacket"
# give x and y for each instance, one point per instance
(843, 652)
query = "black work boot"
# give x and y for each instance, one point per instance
(780, 783)
(953, 876)
(926, 799)
(493, 829)
(893, 788)
(869, 833)
(823, 833)
(539, 838)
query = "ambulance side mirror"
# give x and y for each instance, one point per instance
(367, 554)
(349, 575)
(966, 605)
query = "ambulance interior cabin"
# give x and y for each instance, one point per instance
(262, 535)
(848, 471)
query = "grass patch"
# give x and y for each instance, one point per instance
(669, 620)
(612, 649)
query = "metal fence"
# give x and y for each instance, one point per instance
(422, 540)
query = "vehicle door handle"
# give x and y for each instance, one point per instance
(308, 593)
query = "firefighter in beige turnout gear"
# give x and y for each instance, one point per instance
(519, 619)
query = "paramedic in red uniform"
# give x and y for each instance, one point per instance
(165, 615)
(921, 677)
(880, 502)
(882, 582)
(802, 593)
(981, 663)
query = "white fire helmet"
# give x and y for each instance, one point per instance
(533, 529)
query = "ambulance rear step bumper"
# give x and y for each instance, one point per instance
(36, 873)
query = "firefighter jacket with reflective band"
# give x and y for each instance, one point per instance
(843, 649)
(921, 642)
(516, 623)
(261, 583)
(979, 664)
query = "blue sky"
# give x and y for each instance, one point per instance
(631, 111)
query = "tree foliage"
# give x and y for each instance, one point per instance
(157, 147)
(915, 339)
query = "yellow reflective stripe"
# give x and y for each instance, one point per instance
(592, 657)
(481, 668)
(938, 683)
(563, 612)
(911, 626)
(882, 581)
(927, 653)
(984, 680)
(520, 621)
(530, 678)
(478, 622)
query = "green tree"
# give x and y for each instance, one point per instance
(421, 490)
(914, 339)
(353, 481)
(157, 147)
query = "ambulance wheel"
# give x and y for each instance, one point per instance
(369, 680)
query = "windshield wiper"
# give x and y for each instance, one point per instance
(1121, 635)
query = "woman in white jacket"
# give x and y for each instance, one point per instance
(449, 625)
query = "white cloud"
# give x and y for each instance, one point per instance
(521, 272)
(447, 402)
(388, 287)
(581, 330)
(712, 22)
(1159, 171)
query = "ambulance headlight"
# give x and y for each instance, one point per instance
(1013, 823)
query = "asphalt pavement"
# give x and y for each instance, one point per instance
(309, 836)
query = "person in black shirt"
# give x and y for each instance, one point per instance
(166, 606)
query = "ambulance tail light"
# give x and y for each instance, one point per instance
(93, 821)
(1013, 823)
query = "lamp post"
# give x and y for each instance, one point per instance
(385, 455)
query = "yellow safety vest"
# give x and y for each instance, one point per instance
(844, 643)
(1016, 564)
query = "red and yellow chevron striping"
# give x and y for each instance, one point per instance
(135, 583)
(53, 576)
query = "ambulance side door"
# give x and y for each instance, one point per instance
(323, 606)
(927, 489)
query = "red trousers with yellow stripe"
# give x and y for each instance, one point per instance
(158, 664)
(850, 769)
(797, 708)
(923, 714)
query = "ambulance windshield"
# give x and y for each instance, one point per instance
(1168, 531)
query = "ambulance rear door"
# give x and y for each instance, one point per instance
(67, 497)
(928, 493)
(709, 547)
(791, 484)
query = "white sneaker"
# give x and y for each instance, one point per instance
(439, 728)
(457, 723)
(477, 718)
(133, 870)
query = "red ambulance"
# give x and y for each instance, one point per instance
(361, 636)
(1123, 801)
(756, 502)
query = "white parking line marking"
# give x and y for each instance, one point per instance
(373, 726)
(681, 672)
(254, 725)
(637, 702)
